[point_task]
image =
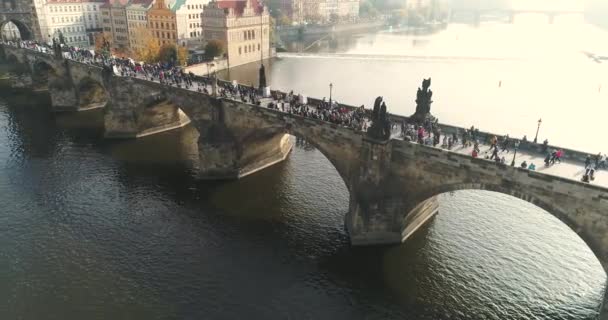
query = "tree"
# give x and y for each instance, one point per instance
(367, 10)
(182, 55)
(168, 53)
(102, 44)
(214, 48)
(146, 46)
(99, 40)
(284, 20)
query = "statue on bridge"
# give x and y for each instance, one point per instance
(262, 77)
(423, 103)
(57, 49)
(381, 124)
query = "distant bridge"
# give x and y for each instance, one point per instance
(477, 14)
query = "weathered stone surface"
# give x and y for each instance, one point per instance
(23, 14)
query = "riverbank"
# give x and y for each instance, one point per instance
(288, 32)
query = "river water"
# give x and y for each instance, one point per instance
(93, 229)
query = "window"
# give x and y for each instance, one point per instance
(239, 51)
(258, 47)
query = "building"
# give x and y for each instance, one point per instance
(66, 18)
(162, 23)
(41, 15)
(188, 15)
(92, 19)
(242, 26)
(137, 21)
(348, 9)
(294, 9)
(324, 11)
(114, 23)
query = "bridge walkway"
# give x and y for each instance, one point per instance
(568, 169)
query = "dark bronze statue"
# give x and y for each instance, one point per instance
(423, 102)
(57, 48)
(262, 77)
(381, 124)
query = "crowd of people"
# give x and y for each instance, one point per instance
(428, 133)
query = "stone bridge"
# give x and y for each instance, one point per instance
(393, 184)
(511, 13)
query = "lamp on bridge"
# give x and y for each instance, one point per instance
(331, 86)
(208, 66)
(515, 154)
(538, 129)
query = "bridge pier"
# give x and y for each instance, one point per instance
(379, 210)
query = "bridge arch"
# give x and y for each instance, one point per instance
(91, 94)
(24, 31)
(15, 64)
(561, 214)
(42, 72)
(317, 141)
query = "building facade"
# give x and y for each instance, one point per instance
(242, 26)
(324, 11)
(65, 19)
(114, 23)
(40, 8)
(162, 23)
(137, 23)
(92, 19)
(188, 15)
(294, 9)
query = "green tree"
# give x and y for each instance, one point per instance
(214, 48)
(168, 53)
(284, 20)
(367, 10)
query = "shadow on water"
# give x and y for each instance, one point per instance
(124, 229)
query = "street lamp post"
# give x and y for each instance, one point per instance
(209, 65)
(537, 129)
(331, 86)
(515, 154)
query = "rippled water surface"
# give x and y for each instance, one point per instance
(96, 229)
(92, 229)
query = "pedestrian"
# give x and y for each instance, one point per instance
(587, 161)
(545, 146)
